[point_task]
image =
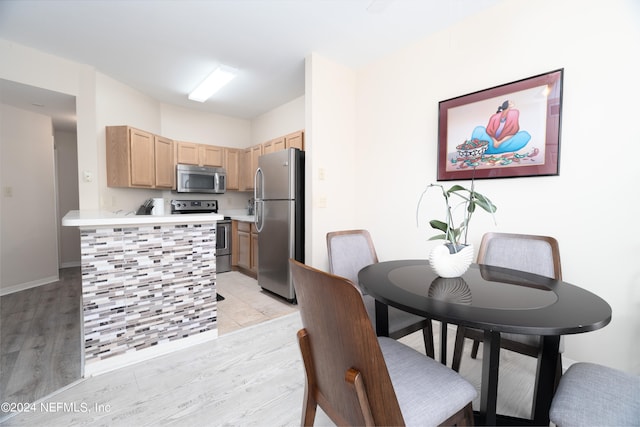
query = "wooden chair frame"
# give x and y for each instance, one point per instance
(346, 374)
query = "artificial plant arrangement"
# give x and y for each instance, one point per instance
(469, 201)
(454, 257)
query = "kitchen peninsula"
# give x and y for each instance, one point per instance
(148, 285)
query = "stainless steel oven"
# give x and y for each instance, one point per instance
(223, 228)
(223, 246)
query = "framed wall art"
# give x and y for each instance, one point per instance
(512, 130)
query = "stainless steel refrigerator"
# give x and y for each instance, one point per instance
(279, 216)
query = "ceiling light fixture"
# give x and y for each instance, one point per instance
(218, 78)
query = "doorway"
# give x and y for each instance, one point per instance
(40, 340)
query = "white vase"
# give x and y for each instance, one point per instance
(447, 264)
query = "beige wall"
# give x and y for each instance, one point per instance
(280, 121)
(28, 242)
(184, 124)
(331, 157)
(589, 207)
(31, 67)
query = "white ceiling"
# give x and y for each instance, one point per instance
(164, 48)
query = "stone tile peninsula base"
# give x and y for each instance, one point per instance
(147, 289)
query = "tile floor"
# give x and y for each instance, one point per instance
(245, 303)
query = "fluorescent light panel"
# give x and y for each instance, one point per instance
(218, 78)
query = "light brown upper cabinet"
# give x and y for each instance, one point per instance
(139, 159)
(276, 144)
(249, 162)
(232, 166)
(165, 166)
(267, 147)
(295, 140)
(190, 153)
(210, 155)
(187, 153)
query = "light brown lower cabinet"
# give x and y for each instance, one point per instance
(254, 249)
(244, 247)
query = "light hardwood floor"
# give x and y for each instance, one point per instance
(40, 330)
(40, 339)
(249, 376)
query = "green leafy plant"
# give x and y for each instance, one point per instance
(469, 200)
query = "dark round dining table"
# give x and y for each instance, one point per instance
(496, 300)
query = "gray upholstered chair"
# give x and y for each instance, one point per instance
(349, 252)
(360, 379)
(595, 395)
(533, 254)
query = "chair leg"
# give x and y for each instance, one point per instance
(474, 349)
(457, 349)
(427, 335)
(309, 404)
(309, 408)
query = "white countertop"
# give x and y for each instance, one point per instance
(98, 218)
(237, 214)
(247, 218)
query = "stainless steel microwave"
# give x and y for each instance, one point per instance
(200, 179)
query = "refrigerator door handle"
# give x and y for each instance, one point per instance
(259, 215)
(258, 194)
(258, 185)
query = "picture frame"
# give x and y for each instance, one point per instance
(511, 130)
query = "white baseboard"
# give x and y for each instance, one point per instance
(566, 362)
(130, 358)
(22, 286)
